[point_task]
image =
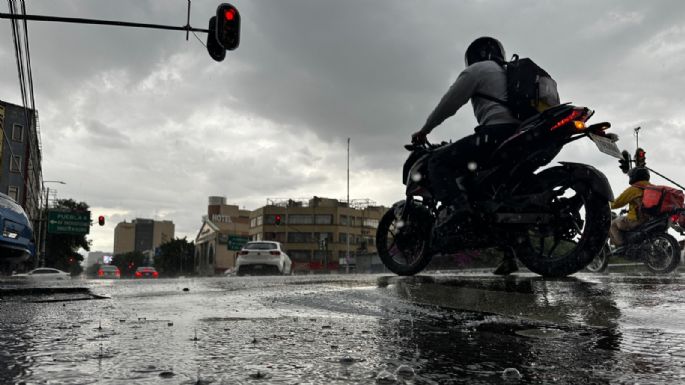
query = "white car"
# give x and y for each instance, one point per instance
(263, 257)
(44, 274)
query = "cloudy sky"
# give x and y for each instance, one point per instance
(142, 123)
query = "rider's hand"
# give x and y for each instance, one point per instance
(419, 137)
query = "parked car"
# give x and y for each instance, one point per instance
(16, 239)
(109, 271)
(44, 274)
(146, 272)
(263, 257)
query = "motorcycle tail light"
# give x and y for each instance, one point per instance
(577, 114)
(580, 126)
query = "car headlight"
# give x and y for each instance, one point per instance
(10, 234)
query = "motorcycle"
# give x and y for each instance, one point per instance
(649, 243)
(555, 220)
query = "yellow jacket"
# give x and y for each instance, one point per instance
(631, 197)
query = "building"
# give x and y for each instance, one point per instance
(224, 230)
(143, 235)
(315, 232)
(21, 174)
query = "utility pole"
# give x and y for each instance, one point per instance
(637, 136)
(347, 238)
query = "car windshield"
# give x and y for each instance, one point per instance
(342, 192)
(261, 246)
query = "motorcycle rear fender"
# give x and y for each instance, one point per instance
(597, 181)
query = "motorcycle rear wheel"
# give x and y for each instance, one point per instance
(587, 228)
(662, 253)
(403, 246)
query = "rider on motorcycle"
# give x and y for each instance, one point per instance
(632, 197)
(484, 74)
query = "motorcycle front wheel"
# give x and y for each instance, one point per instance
(403, 245)
(661, 253)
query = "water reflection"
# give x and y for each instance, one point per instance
(551, 331)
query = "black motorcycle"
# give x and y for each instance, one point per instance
(649, 243)
(555, 221)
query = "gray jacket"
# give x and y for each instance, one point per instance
(486, 77)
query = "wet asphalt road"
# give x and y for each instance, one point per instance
(358, 329)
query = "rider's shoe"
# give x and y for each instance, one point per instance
(506, 267)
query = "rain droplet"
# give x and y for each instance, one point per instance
(472, 166)
(386, 378)
(511, 374)
(405, 372)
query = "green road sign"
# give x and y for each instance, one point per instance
(236, 243)
(68, 222)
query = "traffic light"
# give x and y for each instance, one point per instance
(277, 220)
(101, 220)
(640, 158)
(216, 50)
(624, 162)
(228, 26)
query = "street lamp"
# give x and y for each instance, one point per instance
(42, 234)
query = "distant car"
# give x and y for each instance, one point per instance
(146, 272)
(263, 257)
(109, 271)
(16, 239)
(44, 274)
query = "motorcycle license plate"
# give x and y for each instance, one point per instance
(606, 146)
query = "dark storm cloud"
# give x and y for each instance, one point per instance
(143, 123)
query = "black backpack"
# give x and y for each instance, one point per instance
(530, 89)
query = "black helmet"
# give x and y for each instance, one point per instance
(484, 48)
(638, 174)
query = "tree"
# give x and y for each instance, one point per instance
(175, 257)
(128, 262)
(61, 249)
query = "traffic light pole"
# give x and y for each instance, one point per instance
(76, 20)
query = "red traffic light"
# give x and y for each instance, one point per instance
(227, 28)
(277, 219)
(101, 220)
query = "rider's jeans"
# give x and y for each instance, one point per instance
(462, 157)
(620, 225)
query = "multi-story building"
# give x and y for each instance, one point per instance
(320, 233)
(141, 235)
(20, 158)
(220, 236)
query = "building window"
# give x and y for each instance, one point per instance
(13, 192)
(299, 237)
(373, 223)
(300, 219)
(322, 256)
(278, 237)
(253, 222)
(300, 255)
(342, 237)
(260, 220)
(323, 219)
(327, 236)
(18, 133)
(343, 220)
(15, 163)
